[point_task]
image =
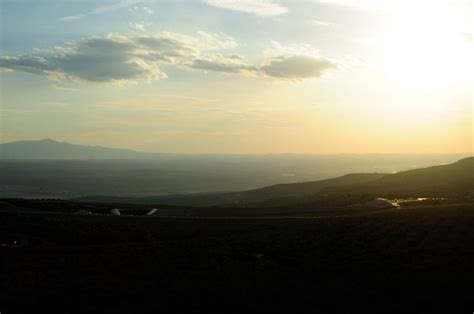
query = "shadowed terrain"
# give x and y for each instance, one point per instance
(317, 247)
(384, 262)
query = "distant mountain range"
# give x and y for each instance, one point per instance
(50, 149)
(52, 169)
(454, 180)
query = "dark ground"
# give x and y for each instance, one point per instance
(399, 261)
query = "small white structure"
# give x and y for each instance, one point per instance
(152, 212)
(382, 203)
(115, 212)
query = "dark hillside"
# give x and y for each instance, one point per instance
(401, 261)
(453, 180)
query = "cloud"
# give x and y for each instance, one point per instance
(296, 67)
(295, 62)
(261, 7)
(25, 63)
(228, 64)
(138, 26)
(147, 10)
(141, 9)
(70, 18)
(385, 6)
(360, 4)
(119, 59)
(103, 9)
(319, 23)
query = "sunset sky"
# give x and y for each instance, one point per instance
(230, 76)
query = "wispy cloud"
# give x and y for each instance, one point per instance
(103, 9)
(138, 26)
(319, 23)
(141, 9)
(360, 4)
(70, 18)
(63, 88)
(261, 7)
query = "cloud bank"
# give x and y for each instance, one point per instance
(118, 59)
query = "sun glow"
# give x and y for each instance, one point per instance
(425, 47)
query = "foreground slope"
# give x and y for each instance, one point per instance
(384, 262)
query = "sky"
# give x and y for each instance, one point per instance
(240, 76)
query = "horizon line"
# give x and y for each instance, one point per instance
(243, 153)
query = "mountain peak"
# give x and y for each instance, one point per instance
(51, 149)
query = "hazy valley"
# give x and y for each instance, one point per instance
(60, 170)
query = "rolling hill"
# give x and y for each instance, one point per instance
(452, 180)
(244, 198)
(456, 179)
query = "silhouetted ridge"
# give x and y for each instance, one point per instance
(451, 179)
(51, 149)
